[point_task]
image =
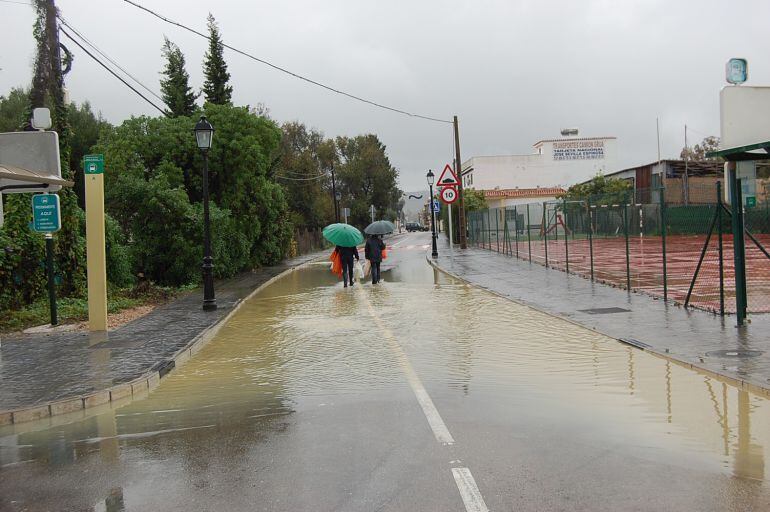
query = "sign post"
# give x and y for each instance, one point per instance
(46, 218)
(449, 195)
(96, 257)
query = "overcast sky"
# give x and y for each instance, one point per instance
(514, 71)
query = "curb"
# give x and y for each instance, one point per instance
(757, 389)
(138, 388)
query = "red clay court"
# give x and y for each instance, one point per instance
(645, 265)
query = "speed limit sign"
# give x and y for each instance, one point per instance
(449, 195)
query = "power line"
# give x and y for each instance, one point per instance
(278, 176)
(284, 70)
(100, 52)
(162, 111)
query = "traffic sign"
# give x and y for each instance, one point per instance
(448, 195)
(436, 206)
(46, 214)
(448, 178)
(93, 164)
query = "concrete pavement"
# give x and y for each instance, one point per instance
(692, 337)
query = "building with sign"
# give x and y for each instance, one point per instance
(553, 163)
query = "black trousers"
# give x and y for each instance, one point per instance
(375, 271)
(347, 270)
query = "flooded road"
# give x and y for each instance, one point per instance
(421, 393)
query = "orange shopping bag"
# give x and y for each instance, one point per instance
(384, 254)
(336, 263)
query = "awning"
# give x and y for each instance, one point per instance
(758, 151)
(14, 178)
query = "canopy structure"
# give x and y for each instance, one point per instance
(17, 179)
(758, 151)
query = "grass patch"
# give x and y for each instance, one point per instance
(75, 309)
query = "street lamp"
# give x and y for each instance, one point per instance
(337, 199)
(204, 132)
(430, 176)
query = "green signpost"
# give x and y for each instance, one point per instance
(46, 214)
(93, 164)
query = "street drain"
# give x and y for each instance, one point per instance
(734, 353)
(604, 311)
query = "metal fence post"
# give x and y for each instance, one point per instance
(516, 227)
(529, 236)
(489, 230)
(662, 214)
(590, 236)
(566, 235)
(739, 248)
(497, 228)
(721, 251)
(544, 231)
(625, 233)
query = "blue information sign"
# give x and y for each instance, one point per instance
(46, 214)
(436, 206)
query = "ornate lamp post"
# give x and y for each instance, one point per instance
(204, 132)
(430, 176)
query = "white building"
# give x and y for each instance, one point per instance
(554, 163)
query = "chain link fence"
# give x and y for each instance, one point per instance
(676, 245)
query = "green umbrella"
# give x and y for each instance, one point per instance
(343, 235)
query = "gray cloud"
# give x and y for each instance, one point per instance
(515, 72)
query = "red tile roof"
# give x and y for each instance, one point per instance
(525, 192)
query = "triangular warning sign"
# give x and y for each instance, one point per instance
(448, 178)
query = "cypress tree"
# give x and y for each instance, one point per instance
(175, 87)
(216, 88)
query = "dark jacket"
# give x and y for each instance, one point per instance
(374, 248)
(347, 253)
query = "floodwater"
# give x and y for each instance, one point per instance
(302, 403)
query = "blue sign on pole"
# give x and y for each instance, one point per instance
(46, 214)
(436, 206)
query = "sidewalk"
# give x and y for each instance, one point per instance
(693, 337)
(46, 375)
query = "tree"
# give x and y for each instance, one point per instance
(600, 190)
(474, 200)
(86, 129)
(155, 194)
(303, 171)
(175, 87)
(698, 152)
(366, 178)
(216, 88)
(13, 108)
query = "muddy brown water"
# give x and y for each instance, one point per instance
(305, 344)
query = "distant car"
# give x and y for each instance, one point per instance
(413, 226)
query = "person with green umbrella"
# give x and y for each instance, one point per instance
(346, 238)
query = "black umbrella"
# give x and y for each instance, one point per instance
(380, 227)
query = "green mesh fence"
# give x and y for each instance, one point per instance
(676, 246)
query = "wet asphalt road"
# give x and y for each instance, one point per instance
(418, 394)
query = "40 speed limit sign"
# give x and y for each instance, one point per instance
(448, 195)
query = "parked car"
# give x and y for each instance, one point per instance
(413, 226)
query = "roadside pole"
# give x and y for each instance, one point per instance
(96, 257)
(450, 226)
(51, 282)
(460, 193)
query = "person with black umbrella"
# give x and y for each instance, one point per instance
(373, 252)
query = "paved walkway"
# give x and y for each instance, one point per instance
(38, 369)
(693, 337)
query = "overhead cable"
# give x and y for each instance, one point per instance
(109, 59)
(145, 98)
(284, 70)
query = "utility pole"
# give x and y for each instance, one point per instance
(334, 197)
(459, 170)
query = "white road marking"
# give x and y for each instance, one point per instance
(469, 491)
(437, 425)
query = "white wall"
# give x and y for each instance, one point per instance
(543, 168)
